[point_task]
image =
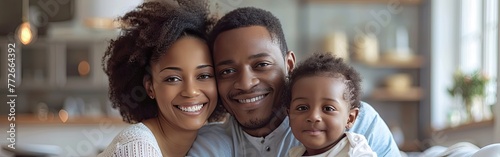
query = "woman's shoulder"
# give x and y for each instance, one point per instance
(133, 140)
(136, 132)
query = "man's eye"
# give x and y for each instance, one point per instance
(263, 64)
(172, 79)
(302, 108)
(227, 71)
(329, 108)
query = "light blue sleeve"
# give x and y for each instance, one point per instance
(211, 141)
(372, 126)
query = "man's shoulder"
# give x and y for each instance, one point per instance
(368, 121)
(213, 132)
(212, 140)
(375, 130)
(213, 128)
(367, 111)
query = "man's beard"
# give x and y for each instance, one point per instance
(255, 124)
(275, 118)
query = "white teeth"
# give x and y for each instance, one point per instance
(251, 99)
(194, 108)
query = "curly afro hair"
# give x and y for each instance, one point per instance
(250, 16)
(326, 64)
(147, 32)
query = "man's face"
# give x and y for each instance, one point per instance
(250, 71)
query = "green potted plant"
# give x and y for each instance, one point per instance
(469, 86)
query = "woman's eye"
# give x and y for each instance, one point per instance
(205, 76)
(301, 108)
(227, 71)
(329, 108)
(172, 79)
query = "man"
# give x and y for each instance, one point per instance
(252, 62)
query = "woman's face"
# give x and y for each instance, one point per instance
(183, 84)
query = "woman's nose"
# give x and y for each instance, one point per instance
(190, 90)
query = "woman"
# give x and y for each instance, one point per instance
(161, 78)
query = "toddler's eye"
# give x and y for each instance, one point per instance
(329, 108)
(302, 108)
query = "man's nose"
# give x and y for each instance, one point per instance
(247, 79)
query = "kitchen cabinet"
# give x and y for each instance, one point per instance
(64, 65)
(50, 71)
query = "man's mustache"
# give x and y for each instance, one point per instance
(253, 90)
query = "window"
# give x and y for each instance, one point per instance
(464, 33)
(478, 40)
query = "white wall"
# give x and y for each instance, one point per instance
(496, 109)
(444, 46)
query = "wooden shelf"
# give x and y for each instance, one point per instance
(33, 119)
(468, 126)
(410, 146)
(413, 63)
(383, 94)
(405, 2)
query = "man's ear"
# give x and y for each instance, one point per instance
(290, 61)
(353, 114)
(148, 85)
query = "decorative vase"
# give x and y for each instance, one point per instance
(474, 109)
(468, 109)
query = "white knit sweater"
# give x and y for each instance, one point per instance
(135, 140)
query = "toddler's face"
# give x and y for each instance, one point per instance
(318, 112)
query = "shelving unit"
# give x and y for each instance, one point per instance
(469, 126)
(414, 62)
(382, 94)
(51, 69)
(406, 99)
(412, 94)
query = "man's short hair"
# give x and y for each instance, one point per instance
(250, 16)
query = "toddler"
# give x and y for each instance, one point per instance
(323, 103)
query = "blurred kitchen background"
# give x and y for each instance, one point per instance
(409, 53)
